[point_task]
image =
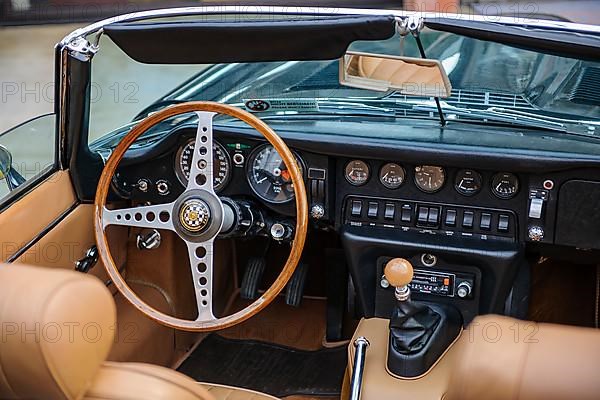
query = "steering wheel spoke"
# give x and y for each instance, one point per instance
(201, 171)
(201, 264)
(158, 216)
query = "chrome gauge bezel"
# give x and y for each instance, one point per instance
(181, 175)
(401, 170)
(501, 175)
(347, 173)
(425, 189)
(476, 176)
(249, 171)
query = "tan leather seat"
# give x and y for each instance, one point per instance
(503, 358)
(57, 330)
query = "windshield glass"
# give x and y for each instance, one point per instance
(490, 82)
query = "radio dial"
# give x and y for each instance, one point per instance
(464, 290)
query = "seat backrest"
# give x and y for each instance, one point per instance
(57, 329)
(503, 358)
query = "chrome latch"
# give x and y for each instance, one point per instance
(81, 49)
(413, 24)
(88, 261)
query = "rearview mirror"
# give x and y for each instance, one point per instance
(5, 162)
(382, 73)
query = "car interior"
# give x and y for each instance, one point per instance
(306, 205)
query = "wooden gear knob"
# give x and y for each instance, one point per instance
(398, 272)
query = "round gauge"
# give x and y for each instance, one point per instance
(269, 177)
(392, 176)
(467, 182)
(357, 172)
(221, 164)
(505, 185)
(429, 178)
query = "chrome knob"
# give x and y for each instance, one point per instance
(163, 187)
(535, 233)
(317, 211)
(143, 185)
(463, 290)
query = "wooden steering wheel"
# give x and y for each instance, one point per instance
(196, 216)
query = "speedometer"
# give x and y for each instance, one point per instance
(221, 164)
(269, 177)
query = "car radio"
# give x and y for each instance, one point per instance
(442, 283)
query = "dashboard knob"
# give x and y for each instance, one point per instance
(317, 211)
(463, 290)
(143, 185)
(536, 233)
(162, 187)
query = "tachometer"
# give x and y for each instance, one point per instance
(221, 164)
(268, 175)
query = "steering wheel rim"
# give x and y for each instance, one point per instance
(116, 217)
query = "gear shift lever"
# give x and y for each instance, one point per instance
(399, 272)
(419, 332)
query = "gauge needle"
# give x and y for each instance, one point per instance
(261, 180)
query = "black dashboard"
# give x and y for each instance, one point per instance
(464, 214)
(430, 197)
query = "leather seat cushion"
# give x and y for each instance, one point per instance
(57, 330)
(222, 392)
(136, 381)
(505, 358)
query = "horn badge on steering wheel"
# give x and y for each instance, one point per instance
(194, 215)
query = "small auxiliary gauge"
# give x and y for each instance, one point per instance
(392, 175)
(467, 182)
(505, 185)
(357, 172)
(429, 178)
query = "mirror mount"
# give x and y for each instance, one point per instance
(13, 178)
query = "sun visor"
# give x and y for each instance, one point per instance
(551, 41)
(208, 42)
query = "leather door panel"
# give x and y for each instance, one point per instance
(34, 213)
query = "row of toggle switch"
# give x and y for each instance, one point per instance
(405, 213)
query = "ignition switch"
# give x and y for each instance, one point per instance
(281, 231)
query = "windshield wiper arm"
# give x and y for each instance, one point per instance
(494, 114)
(547, 118)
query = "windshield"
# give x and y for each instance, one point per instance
(490, 82)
